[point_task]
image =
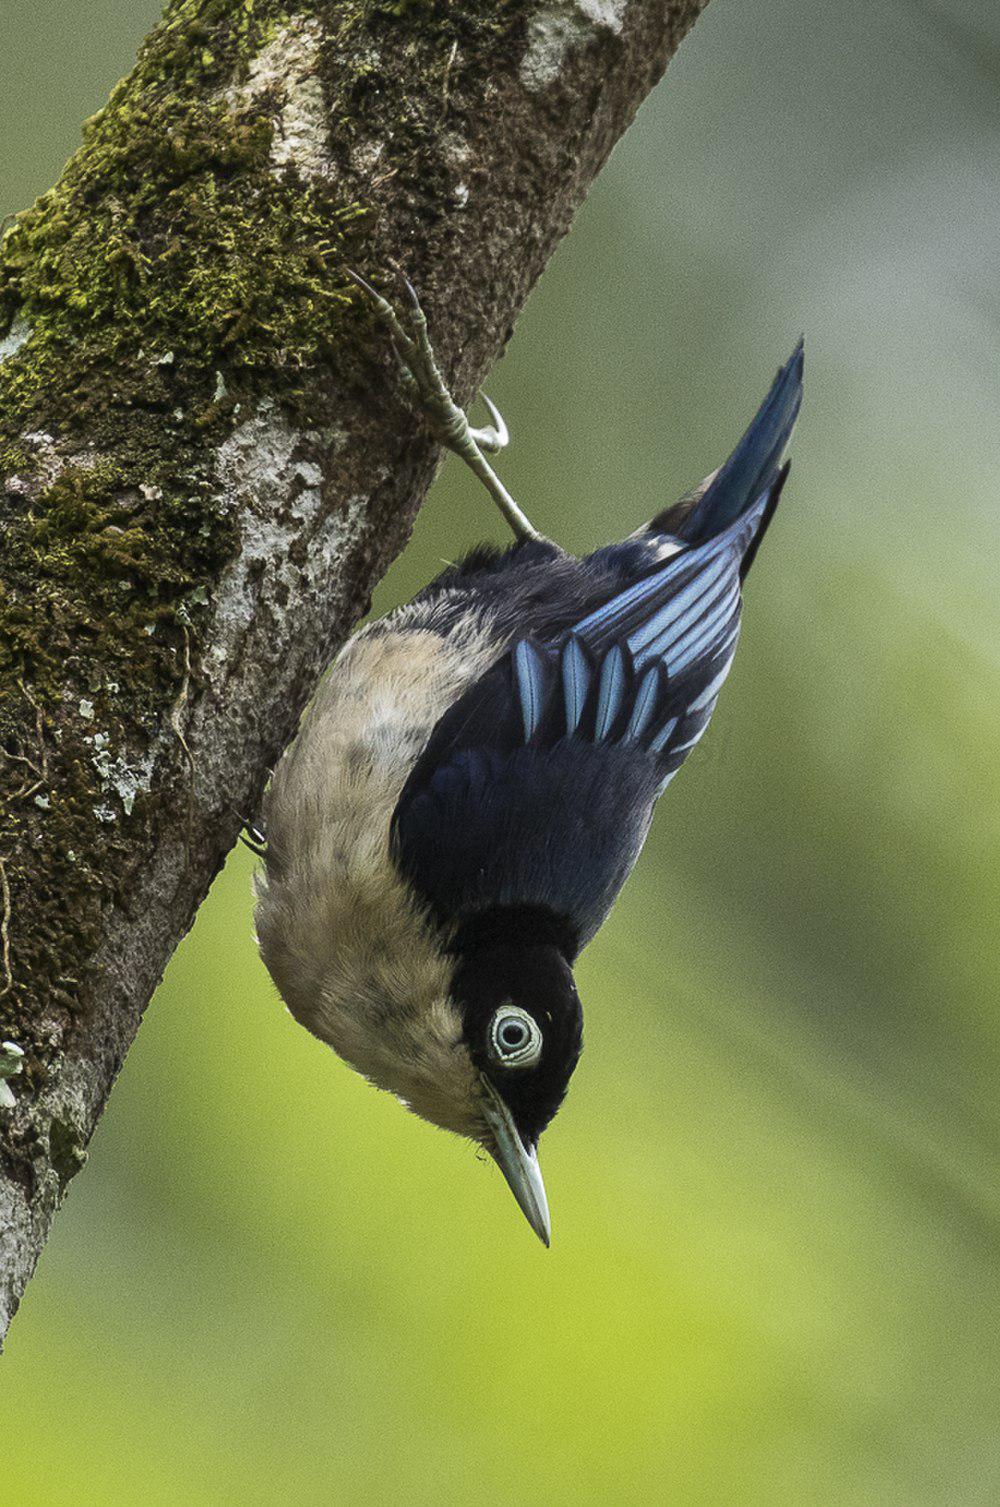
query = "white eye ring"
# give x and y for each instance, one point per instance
(514, 1038)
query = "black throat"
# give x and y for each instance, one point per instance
(516, 926)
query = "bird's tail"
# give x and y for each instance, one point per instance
(753, 471)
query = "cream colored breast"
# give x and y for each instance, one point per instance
(346, 946)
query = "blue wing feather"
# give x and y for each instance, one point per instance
(681, 608)
(643, 706)
(529, 669)
(660, 740)
(610, 693)
(576, 682)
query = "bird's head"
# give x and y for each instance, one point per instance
(480, 1037)
(522, 1027)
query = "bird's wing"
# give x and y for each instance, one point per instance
(536, 788)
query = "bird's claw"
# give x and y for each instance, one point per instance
(496, 435)
(421, 375)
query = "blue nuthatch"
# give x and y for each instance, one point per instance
(476, 776)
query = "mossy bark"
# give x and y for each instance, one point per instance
(203, 465)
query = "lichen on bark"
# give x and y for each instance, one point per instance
(202, 469)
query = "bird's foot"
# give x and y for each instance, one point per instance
(422, 380)
(251, 836)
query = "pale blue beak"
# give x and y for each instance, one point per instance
(517, 1162)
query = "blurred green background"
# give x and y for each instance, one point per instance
(776, 1268)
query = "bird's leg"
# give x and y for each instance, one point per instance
(422, 380)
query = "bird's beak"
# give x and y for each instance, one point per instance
(517, 1162)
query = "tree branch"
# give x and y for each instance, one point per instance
(203, 464)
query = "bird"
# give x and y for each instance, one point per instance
(474, 780)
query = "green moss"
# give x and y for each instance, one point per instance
(170, 240)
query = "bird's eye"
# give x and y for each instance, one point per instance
(514, 1038)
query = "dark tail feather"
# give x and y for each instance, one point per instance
(767, 515)
(751, 470)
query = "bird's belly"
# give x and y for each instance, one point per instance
(339, 930)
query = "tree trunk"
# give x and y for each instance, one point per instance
(204, 466)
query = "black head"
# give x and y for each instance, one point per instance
(523, 1029)
(523, 1026)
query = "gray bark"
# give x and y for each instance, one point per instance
(204, 466)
